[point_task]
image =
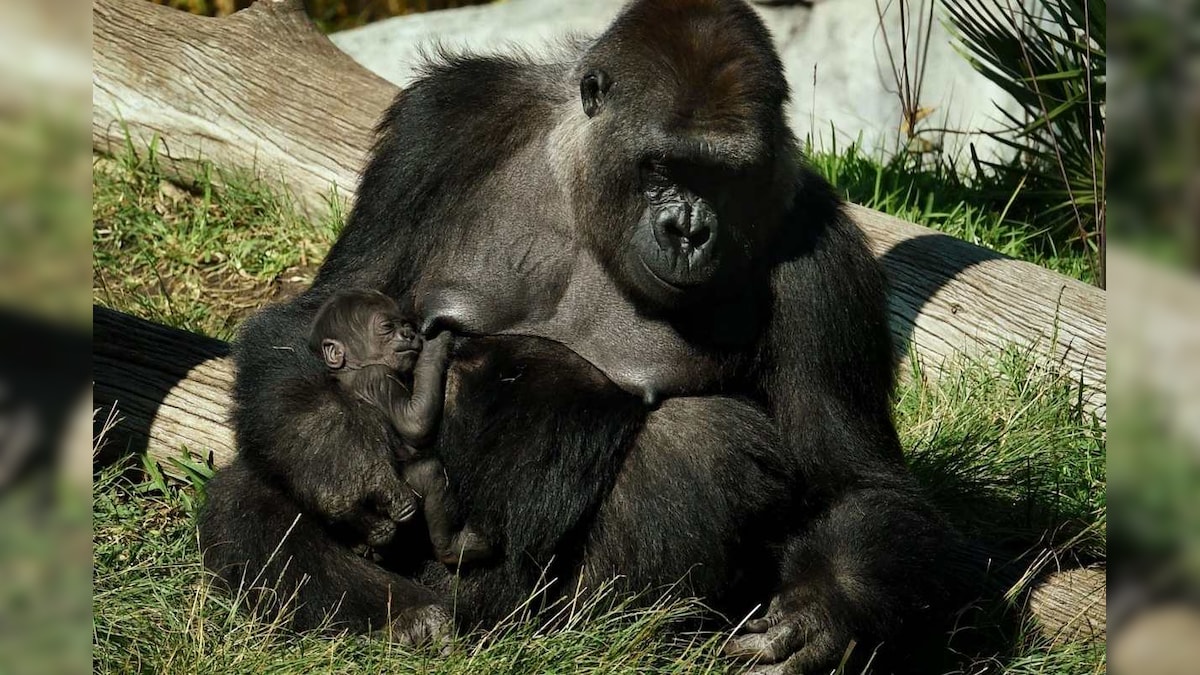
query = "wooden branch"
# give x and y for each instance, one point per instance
(170, 389)
(263, 92)
(1071, 605)
(950, 298)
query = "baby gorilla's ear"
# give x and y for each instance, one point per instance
(334, 353)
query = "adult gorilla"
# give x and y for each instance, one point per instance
(642, 202)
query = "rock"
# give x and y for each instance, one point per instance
(836, 57)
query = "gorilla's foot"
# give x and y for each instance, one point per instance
(427, 625)
(793, 638)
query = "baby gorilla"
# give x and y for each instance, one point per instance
(379, 363)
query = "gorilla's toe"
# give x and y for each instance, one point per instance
(428, 625)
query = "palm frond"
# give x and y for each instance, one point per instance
(1049, 56)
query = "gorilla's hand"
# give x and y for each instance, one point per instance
(371, 500)
(799, 634)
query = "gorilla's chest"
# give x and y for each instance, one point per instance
(542, 285)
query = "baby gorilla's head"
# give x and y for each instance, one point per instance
(360, 328)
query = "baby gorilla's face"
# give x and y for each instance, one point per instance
(397, 340)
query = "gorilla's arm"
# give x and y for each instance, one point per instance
(416, 417)
(860, 568)
(387, 242)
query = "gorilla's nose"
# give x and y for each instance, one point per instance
(683, 228)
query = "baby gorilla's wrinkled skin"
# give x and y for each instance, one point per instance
(374, 353)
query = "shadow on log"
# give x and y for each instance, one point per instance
(170, 388)
(264, 92)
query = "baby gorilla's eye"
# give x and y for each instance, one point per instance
(387, 328)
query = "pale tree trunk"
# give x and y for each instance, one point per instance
(262, 91)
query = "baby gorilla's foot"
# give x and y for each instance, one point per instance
(467, 547)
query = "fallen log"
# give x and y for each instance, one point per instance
(263, 92)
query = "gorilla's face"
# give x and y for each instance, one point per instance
(686, 165)
(675, 210)
(679, 240)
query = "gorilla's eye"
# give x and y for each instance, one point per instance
(654, 177)
(592, 89)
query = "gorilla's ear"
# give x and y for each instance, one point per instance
(592, 89)
(334, 353)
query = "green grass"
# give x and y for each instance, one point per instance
(978, 209)
(1010, 458)
(154, 612)
(200, 260)
(1008, 451)
(1002, 446)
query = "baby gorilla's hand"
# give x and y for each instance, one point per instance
(391, 501)
(370, 497)
(378, 519)
(438, 348)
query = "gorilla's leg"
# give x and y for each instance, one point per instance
(451, 547)
(710, 496)
(698, 500)
(258, 542)
(873, 569)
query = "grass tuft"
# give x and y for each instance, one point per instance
(975, 209)
(199, 259)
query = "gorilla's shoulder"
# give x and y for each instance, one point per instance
(461, 92)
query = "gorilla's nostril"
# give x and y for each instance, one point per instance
(677, 228)
(672, 221)
(699, 236)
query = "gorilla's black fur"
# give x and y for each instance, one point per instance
(538, 495)
(642, 202)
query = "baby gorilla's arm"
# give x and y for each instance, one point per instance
(462, 547)
(416, 417)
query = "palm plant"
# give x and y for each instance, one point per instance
(1049, 55)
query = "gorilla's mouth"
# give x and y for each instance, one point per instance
(677, 242)
(669, 282)
(680, 268)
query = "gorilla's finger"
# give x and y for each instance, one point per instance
(400, 505)
(379, 530)
(770, 669)
(441, 342)
(806, 661)
(769, 647)
(437, 324)
(421, 626)
(760, 625)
